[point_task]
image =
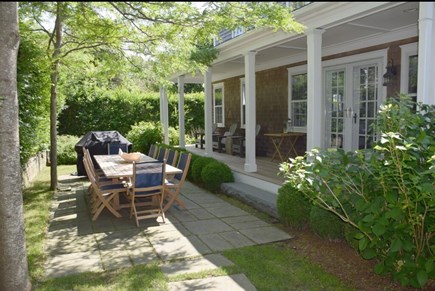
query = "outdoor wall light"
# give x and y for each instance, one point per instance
(390, 74)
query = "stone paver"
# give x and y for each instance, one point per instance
(208, 262)
(233, 283)
(190, 241)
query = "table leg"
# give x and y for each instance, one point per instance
(277, 148)
(292, 147)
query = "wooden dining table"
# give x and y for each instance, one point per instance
(115, 167)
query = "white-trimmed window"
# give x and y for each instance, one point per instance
(297, 110)
(242, 103)
(218, 104)
(409, 69)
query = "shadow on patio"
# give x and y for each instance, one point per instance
(191, 239)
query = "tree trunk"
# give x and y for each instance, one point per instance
(13, 257)
(53, 102)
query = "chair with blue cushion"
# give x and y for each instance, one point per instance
(147, 190)
(113, 148)
(103, 194)
(173, 186)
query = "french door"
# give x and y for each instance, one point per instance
(352, 94)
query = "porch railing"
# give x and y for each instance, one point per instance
(227, 34)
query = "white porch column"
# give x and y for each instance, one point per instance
(426, 60)
(251, 119)
(315, 104)
(208, 112)
(181, 110)
(164, 117)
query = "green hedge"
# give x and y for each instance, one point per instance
(326, 224)
(214, 174)
(120, 109)
(293, 207)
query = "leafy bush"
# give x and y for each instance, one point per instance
(350, 235)
(386, 193)
(214, 174)
(66, 154)
(143, 134)
(190, 173)
(293, 207)
(33, 85)
(122, 109)
(326, 224)
(197, 167)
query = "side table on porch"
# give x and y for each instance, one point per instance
(277, 140)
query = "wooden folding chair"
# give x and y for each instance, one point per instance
(173, 187)
(103, 195)
(147, 190)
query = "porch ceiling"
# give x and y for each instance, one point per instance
(391, 18)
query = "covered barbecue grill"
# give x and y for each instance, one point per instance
(97, 143)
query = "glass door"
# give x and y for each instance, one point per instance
(352, 100)
(366, 104)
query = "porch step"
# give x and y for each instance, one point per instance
(258, 198)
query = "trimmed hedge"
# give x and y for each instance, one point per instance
(214, 174)
(326, 224)
(293, 207)
(197, 167)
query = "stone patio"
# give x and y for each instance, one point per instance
(190, 241)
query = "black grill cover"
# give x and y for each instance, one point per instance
(96, 142)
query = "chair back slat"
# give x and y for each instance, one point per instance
(172, 157)
(183, 164)
(148, 174)
(113, 148)
(153, 150)
(162, 154)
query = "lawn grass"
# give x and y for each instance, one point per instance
(268, 267)
(277, 267)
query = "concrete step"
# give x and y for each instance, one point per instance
(258, 198)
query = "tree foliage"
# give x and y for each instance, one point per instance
(33, 86)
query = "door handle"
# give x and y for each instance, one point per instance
(354, 118)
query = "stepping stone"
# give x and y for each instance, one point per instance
(233, 283)
(208, 262)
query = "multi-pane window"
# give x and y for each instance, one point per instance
(298, 100)
(335, 93)
(412, 77)
(218, 104)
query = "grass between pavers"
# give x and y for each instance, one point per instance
(268, 267)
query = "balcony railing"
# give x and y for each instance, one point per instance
(226, 34)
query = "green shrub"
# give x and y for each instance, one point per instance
(216, 173)
(66, 154)
(197, 166)
(190, 173)
(326, 224)
(143, 135)
(385, 192)
(293, 207)
(350, 234)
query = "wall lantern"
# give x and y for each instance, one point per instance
(390, 74)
